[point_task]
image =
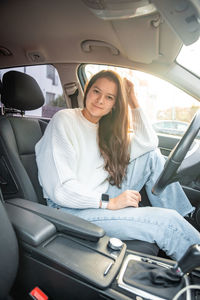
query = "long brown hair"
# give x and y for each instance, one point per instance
(113, 131)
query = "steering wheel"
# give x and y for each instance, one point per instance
(176, 157)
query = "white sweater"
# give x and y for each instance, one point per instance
(71, 169)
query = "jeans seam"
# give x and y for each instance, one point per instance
(126, 185)
(169, 226)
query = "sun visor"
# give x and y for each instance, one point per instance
(183, 17)
(143, 37)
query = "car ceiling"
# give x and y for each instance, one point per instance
(53, 31)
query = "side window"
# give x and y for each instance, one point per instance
(169, 109)
(48, 79)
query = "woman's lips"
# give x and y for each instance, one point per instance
(97, 106)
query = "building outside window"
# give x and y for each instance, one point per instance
(51, 74)
(50, 97)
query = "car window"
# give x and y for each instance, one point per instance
(189, 57)
(169, 109)
(48, 79)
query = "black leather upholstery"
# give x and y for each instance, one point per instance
(8, 254)
(18, 137)
(16, 87)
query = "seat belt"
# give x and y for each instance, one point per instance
(72, 92)
(74, 99)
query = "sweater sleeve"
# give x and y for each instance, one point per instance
(143, 138)
(68, 191)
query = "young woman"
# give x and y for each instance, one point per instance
(87, 156)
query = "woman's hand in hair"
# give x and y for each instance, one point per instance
(130, 94)
(126, 199)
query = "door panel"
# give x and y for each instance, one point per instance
(167, 143)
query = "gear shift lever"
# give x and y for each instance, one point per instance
(156, 276)
(189, 261)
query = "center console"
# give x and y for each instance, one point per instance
(70, 258)
(147, 277)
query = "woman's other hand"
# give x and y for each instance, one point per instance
(130, 93)
(125, 199)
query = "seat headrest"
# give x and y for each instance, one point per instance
(21, 91)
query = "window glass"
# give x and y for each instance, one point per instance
(189, 57)
(48, 79)
(168, 108)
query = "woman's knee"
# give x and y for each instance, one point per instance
(173, 218)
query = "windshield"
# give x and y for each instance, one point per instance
(189, 57)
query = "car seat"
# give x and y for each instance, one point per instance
(18, 136)
(8, 253)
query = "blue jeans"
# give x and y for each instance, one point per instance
(163, 223)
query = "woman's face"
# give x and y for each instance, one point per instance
(100, 99)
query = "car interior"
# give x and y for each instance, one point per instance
(43, 248)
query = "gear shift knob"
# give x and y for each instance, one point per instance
(189, 261)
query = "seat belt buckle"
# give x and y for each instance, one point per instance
(38, 294)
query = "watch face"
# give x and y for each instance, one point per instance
(105, 197)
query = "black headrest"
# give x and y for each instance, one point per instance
(21, 91)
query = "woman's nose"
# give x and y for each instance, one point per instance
(100, 99)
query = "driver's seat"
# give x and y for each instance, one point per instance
(18, 136)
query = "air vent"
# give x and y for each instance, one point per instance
(5, 52)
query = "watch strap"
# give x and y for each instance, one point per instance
(104, 204)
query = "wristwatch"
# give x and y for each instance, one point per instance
(104, 200)
(105, 197)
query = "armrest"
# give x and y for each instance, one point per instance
(29, 227)
(63, 221)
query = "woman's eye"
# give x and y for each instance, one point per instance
(110, 98)
(96, 91)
